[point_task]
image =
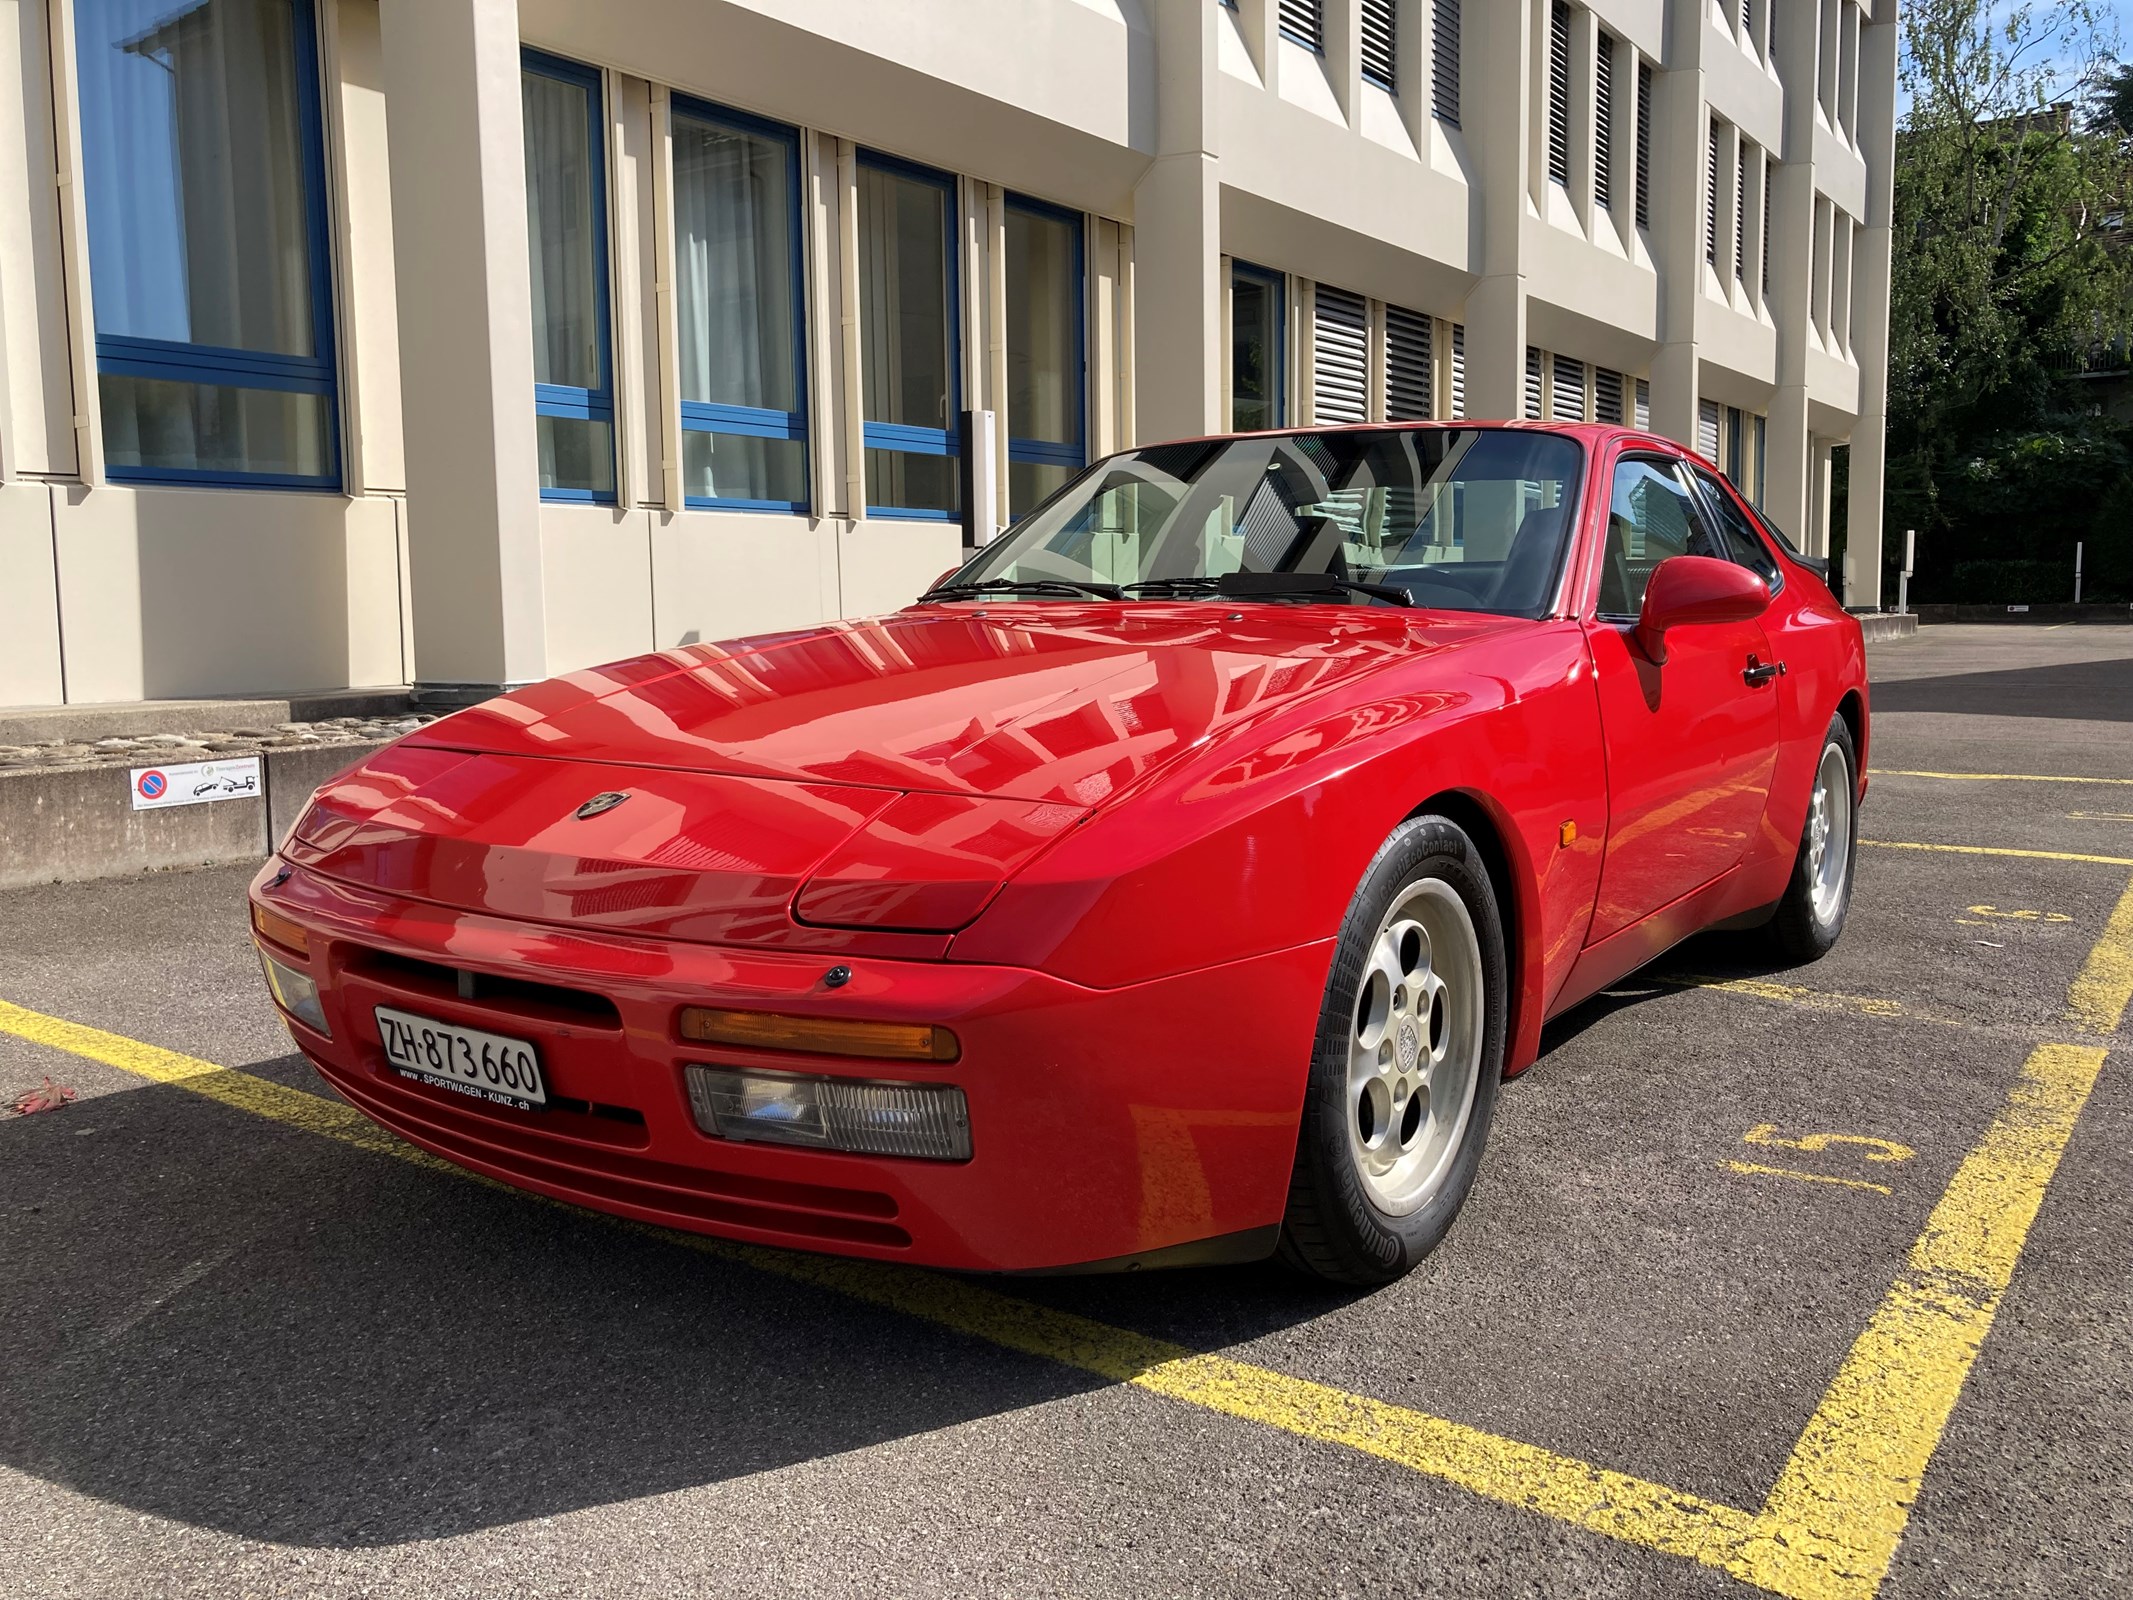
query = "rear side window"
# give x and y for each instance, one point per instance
(1745, 544)
(1650, 516)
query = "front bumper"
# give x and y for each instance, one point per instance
(1106, 1124)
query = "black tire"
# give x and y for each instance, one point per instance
(1804, 929)
(1334, 1228)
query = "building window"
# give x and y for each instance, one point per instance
(909, 344)
(1045, 359)
(204, 178)
(1381, 27)
(1444, 62)
(566, 236)
(1408, 344)
(737, 310)
(1304, 23)
(1603, 123)
(1644, 144)
(1258, 327)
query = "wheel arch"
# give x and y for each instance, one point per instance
(1852, 708)
(1517, 901)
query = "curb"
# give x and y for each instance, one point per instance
(1886, 627)
(75, 824)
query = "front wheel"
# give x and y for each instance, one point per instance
(1406, 1064)
(1811, 916)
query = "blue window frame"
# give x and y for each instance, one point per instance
(910, 364)
(740, 310)
(204, 180)
(1047, 351)
(1259, 337)
(566, 233)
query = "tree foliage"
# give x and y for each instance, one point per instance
(2009, 276)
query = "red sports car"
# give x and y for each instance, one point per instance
(1173, 883)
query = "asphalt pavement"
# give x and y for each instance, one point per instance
(1767, 1270)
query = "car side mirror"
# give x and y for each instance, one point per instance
(1688, 590)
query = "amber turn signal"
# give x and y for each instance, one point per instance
(269, 925)
(828, 1036)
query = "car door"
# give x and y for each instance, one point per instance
(1690, 744)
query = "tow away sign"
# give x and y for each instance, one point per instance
(194, 783)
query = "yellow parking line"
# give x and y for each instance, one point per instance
(1793, 995)
(2104, 985)
(1999, 850)
(1990, 777)
(1832, 1524)
(1506, 1470)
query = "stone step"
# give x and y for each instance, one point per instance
(134, 719)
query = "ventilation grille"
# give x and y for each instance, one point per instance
(1569, 399)
(1740, 214)
(1708, 417)
(1458, 365)
(1643, 417)
(1340, 360)
(1536, 385)
(1769, 174)
(1444, 62)
(1407, 366)
(1559, 92)
(1603, 124)
(1607, 396)
(1710, 198)
(1305, 22)
(1380, 32)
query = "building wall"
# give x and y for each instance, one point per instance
(1189, 135)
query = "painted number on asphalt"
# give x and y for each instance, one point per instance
(1986, 916)
(1866, 1146)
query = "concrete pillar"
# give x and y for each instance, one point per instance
(1867, 488)
(1680, 153)
(1790, 300)
(451, 70)
(1177, 237)
(1497, 105)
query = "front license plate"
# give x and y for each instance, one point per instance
(486, 1065)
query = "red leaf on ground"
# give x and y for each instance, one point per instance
(49, 1096)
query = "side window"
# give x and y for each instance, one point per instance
(1746, 545)
(1650, 517)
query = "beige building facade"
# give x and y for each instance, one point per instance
(464, 342)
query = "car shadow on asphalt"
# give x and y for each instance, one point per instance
(1721, 956)
(245, 1327)
(2085, 691)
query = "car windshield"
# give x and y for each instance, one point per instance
(1462, 519)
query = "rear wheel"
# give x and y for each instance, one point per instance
(1407, 1061)
(1811, 916)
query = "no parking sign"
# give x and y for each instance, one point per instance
(194, 783)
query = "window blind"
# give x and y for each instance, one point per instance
(1380, 34)
(1536, 384)
(1769, 173)
(1407, 366)
(1644, 144)
(1340, 356)
(1710, 207)
(1559, 92)
(1444, 61)
(1305, 22)
(1607, 396)
(1740, 214)
(1569, 399)
(1603, 124)
(1458, 365)
(1708, 416)
(1643, 417)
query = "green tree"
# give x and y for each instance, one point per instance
(2007, 275)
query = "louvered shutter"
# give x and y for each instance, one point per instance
(1644, 144)
(1407, 366)
(1643, 417)
(1536, 385)
(1380, 33)
(1340, 360)
(1559, 92)
(1444, 61)
(1458, 364)
(1747, 21)
(1740, 215)
(1708, 416)
(1607, 396)
(1569, 399)
(1710, 207)
(1603, 124)
(1769, 173)
(1305, 22)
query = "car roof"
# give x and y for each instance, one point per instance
(1591, 433)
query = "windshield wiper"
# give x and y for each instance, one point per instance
(961, 591)
(1269, 586)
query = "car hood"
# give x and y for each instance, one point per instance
(863, 781)
(1062, 704)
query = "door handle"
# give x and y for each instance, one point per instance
(1757, 673)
